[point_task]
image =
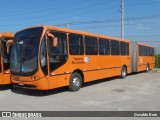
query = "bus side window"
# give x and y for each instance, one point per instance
(127, 48)
(145, 51)
(152, 52)
(91, 46)
(115, 47)
(123, 48)
(104, 47)
(140, 50)
(76, 44)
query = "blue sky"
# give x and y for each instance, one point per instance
(142, 17)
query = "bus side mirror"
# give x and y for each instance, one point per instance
(54, 39)
(55, 42)
(8, 45)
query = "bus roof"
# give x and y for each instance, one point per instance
(145, 44)
(6, 34)
(47, 27)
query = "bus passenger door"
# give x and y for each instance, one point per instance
(57, 57)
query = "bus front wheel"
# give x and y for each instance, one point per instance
(75, 82)
(123, 72)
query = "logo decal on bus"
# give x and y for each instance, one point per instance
(78, 60)
(86, 59)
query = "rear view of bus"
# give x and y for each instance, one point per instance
(6, 40)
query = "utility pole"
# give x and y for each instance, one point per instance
(68, 24)
(122, 19)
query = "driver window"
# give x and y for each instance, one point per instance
(57, 54)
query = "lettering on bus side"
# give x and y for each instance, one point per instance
(77, 60)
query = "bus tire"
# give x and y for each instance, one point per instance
(75, 82)
(147, 68)
(123, 72)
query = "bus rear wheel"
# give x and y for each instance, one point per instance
(123, 72)
(75, 82)
(147, 68)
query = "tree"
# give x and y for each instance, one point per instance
(157, 61)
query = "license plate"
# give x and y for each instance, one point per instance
(21, 83)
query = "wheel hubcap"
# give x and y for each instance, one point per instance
(147, 68)
(124, 72)
(76, 82)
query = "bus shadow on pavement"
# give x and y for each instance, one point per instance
(109, 79)
(41, 93)
(100, 81)
(5, 87)
(38, 93)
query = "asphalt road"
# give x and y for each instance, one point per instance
(137, 92)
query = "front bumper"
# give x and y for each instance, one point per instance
(41, 84)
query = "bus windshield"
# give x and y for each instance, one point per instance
(24, 52)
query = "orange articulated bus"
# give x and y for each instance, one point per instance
(48, 57)
(6, 40)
